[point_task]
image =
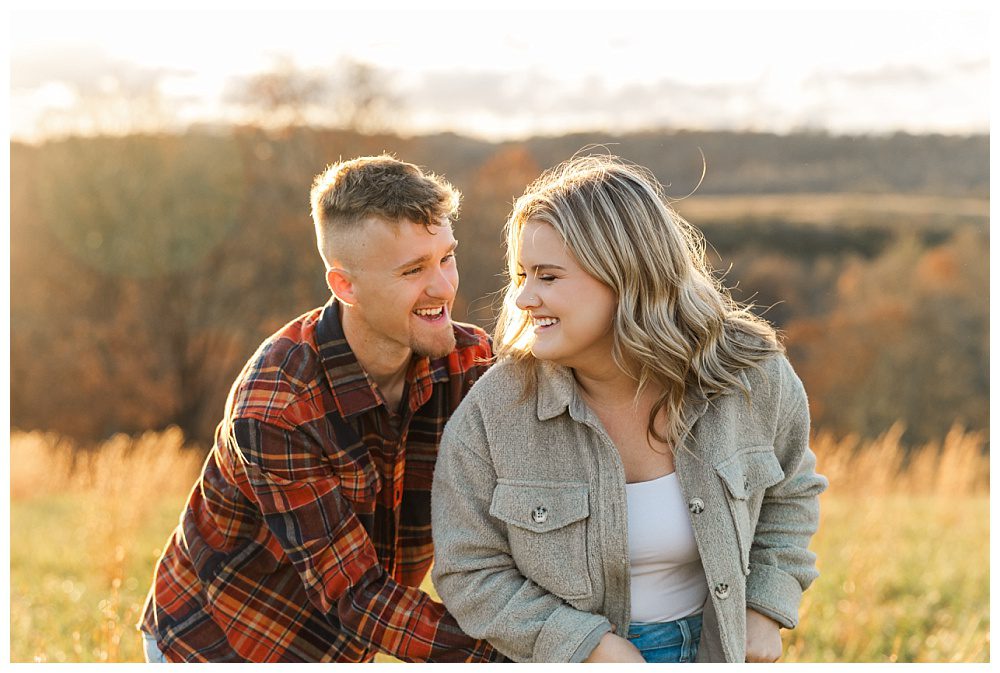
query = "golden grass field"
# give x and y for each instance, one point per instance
(903, 547)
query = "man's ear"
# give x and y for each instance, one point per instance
(340, 285)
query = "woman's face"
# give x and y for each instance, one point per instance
(571, 311)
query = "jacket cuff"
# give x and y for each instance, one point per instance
(774, 593)
(569, 635)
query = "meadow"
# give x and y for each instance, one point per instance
(903, 547)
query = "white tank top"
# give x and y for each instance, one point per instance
(668, 581)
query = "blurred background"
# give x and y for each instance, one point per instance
(836, 161)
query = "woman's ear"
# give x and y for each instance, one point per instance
(339, 282)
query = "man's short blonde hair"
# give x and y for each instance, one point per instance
(349, 193)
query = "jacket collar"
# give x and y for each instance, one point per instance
(557, 393)
(556, 389)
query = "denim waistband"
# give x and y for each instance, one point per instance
(667, 642)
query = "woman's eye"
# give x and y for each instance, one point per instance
(547, 277)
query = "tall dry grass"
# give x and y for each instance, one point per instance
(79, 526)
(957, 465)
(902, 550)
(903, 546)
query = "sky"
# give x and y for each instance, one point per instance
(511, 73)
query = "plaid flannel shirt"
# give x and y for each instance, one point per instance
(308, 532)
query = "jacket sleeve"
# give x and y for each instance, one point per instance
(474, 572)
(781, 565)
(303, 505)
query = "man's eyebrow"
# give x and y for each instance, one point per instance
(422, 259)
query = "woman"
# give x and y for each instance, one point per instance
(632, 480)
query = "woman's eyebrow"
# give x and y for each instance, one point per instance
(543, 267)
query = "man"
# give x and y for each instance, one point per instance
(308, 532)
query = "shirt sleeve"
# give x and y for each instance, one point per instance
(781, 565)
(303, 506)
(474, 572)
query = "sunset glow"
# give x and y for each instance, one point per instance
(511, 73)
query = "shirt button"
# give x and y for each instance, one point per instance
(539, 515)
(722, 591)
(696, 505)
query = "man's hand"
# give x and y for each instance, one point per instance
(763, 638)
(614, 649)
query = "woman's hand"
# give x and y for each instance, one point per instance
(614, 649)
(763, 638)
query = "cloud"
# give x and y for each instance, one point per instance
(528, 99)
(86, 69)
(893, 74)
(504, 104)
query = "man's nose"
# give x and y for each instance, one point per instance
(444, 284)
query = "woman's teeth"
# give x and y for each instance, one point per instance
(430, 312)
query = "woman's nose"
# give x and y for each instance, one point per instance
(526, 298)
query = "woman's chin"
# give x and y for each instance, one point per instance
(543, 355)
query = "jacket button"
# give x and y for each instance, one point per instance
(539, 515)
(746, 485)
(722, 591)
(696, 505)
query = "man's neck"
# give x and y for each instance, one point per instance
(386, 363)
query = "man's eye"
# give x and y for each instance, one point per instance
(447, 258)
(413, 272)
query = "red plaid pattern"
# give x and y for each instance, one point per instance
(308, 532)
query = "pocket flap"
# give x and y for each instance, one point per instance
(539, 506)
(752, 470)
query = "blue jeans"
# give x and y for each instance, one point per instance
(667, 642)
(152, 652)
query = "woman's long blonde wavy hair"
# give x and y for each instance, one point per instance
(675, 325)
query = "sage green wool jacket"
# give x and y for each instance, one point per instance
(529, 513)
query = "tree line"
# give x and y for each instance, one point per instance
(145, 269)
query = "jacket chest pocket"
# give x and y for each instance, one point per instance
(746, 476)
(547, 532)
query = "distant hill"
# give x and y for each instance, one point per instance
(734, 162)
(763, 163)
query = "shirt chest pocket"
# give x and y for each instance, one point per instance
(547, 532)
(746, 476)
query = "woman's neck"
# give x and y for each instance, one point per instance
(608, 387)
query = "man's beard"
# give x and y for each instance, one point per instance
(437, 347)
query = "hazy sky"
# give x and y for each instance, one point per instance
(508, 73)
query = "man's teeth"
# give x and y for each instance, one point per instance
(430, 311)
(544, 322)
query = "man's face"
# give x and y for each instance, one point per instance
(405, 278)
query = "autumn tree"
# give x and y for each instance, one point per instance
(489, 196)
(907, 340)
(141, 286)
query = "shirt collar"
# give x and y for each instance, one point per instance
(353, 391)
